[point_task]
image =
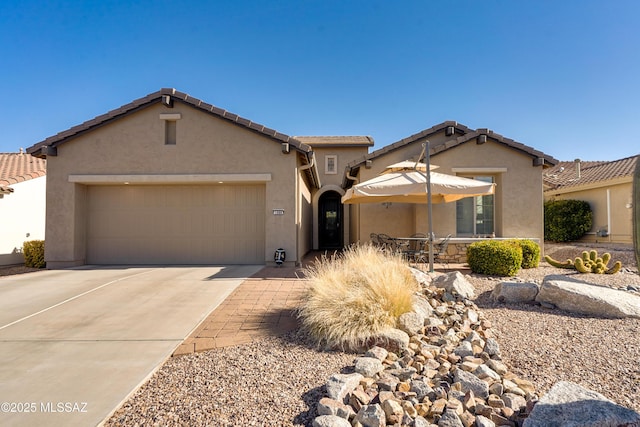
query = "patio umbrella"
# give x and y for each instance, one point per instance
(409, 185)
(409, 182)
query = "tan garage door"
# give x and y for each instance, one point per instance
(176, 224)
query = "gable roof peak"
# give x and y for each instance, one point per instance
(165, 96)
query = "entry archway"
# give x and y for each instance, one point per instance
(330, 219)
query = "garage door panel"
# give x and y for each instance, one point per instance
(176, 224)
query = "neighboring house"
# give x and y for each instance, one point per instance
(606, 186)
(170, 179)
(22, 204)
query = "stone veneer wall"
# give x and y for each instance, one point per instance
(457, 249)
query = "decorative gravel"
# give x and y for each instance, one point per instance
(278, 381)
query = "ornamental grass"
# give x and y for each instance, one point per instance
(354, 296)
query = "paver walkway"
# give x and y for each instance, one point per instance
(262, 305)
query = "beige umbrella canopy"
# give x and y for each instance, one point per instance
(402, 183)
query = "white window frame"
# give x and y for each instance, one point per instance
(327, 162)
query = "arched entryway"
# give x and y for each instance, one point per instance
(330, 221)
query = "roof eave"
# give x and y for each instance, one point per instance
(166, 96)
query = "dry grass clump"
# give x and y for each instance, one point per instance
(354, 296)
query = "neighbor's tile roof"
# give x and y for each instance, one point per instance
(336, 141)
(156, 97)
(565, 174)
(19, 167)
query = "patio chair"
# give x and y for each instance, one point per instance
(440, 251)
(387, 243)
(415, 247)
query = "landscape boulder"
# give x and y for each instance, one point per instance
(515, 292)
(577, 296)
(568, 404)
(455, 282)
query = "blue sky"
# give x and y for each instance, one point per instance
(560, 76)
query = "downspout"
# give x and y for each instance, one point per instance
(352, 178)
(609, 213)
(312, 163)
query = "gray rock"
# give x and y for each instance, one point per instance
(484, 371)
(411, 322)
(420, 276)
(371, 416)
(581, 297)
(327, 406)
(513, 401)
(330, 421)
(570, 405)
(515, 292)
(455, 282)
(393, 340)
(403, 374)
(340, 385)
(464, 349)
(471, 382)
(377, 352)
(368, 366)
(421, 422)
(482, 421)
(450, 419)
(421, 389)
(421, 306)
(491, 347)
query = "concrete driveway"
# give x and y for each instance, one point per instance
(75, 343)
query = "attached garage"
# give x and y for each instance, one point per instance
(168, 179)
(176, 224)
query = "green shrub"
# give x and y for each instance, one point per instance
(495, 257)
(566, 220)
(355, 296)
(530, 253)
(33, 252)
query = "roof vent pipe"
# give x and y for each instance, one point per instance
(577, 162)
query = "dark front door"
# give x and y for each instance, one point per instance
(330, 221)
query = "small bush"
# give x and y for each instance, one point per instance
(33, 251)
(355, 296)
(530, 253)
(566, 220)
(495, 257)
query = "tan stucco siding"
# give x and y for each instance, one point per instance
(613, 213)
(305, 220)
(518, 199)
(135, 145)
(519, 208)
(344, 156)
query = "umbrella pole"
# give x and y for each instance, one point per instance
(429, 203)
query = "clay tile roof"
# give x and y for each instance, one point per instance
(19, 167)
(157, 97)
(460, 135)
(336, 141)
(565, 173)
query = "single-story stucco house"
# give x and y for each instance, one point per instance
(22, 204)
(170, 179)
(608, 188)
